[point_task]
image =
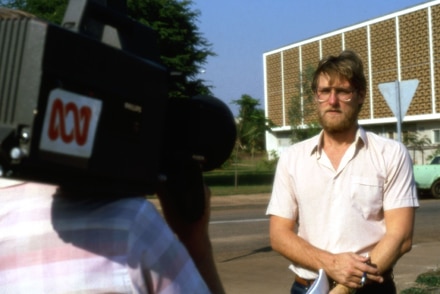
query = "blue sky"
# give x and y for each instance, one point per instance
(240, 31)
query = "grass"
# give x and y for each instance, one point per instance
(243, 189)
(427, 283)
(250, 175)
(247, 176)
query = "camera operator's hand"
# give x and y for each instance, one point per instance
(195, 237)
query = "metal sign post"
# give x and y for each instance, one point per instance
(398, 96)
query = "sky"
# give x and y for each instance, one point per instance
(241, 31)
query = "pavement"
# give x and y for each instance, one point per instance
(267, 272)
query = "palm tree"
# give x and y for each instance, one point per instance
(252, 124)
(415, 142)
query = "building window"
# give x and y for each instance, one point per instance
(436, 136)
(391, 135)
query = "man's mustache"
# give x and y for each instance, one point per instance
(333, 110)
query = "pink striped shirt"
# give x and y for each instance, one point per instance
(52, 245)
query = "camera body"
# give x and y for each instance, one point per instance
(79, 110)
(80, 113)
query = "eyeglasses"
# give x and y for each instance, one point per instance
(343, 94)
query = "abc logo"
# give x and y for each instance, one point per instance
(59, 127)
(70, 123)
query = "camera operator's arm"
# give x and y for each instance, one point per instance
(195, 237)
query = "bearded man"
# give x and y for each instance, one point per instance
(343, 201)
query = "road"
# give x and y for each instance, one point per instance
(248, 265)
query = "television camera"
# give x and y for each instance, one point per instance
(85, 105)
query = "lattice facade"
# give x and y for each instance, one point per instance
(401, 46)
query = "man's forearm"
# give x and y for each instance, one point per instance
(286, 242)
(397, 240)
(346, 268)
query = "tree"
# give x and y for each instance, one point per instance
(415, 142)
(302, 106)
(50, 10)
(182, 47)
(252, 124)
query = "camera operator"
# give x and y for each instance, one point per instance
(58, 240)
(54, 243)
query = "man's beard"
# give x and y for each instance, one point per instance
(347, 121)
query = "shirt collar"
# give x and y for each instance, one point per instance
(360, 139)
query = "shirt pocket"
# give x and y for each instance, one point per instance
(367, 196)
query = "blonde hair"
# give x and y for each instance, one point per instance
(8, 13)
(347, 65)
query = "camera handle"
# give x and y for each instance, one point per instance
(107, 21)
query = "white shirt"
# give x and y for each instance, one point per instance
(51, 244)
(342, 210)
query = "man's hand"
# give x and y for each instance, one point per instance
(348, 268)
